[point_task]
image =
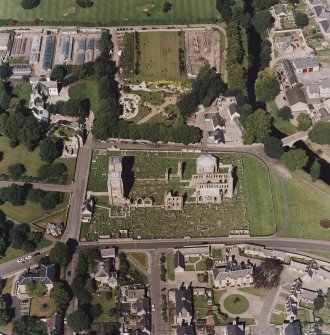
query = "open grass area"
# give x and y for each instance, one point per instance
(86, 89)
(159, 55)
(236, 304)
(170, 265)
(260, 210)
(107, 304)
(307, 207)
(31, 160)
(325, 254)
(8, 286)
(278, 201)
(42, 307)
(22, 91)
(259, 292)
(200, 306)
(140, 258)
(217, 294)
(31, 212)
(112, 12)
(277, 319)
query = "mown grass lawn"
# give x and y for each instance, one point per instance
(107, 304)
(42, 306)
(30, 159)
(283, 126)
(170, 265)
(256, 183)
(307, 207)
(236, 304)
(260, 292)
(86, 89)
(112, 12)
(23, 91)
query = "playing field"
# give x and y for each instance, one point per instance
(112, 12)
(159, 55)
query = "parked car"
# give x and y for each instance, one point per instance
(153, 307)
(28, 257)
(36, 254)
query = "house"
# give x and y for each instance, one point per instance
(143, 306)
(20, 71)
(217, 125)
(315, 2)
(103, 274)
(292, 328)
(235, 330)
(297, 266)
(144, 323)
(304, 65)
(280, 11)
(307, 270)
(184, 308)
(37, 106)
(45, 274)
(322, 114)
(296, 289)
(4, 39)
(289, 72)
(108, 253)
(132, 294)
(325, 27)
(313, 91)
(224, 277)
(283, 40)
(290, 308)
(308, 296)
(179, 262)
(217, 136)
(203, 250)
(323, 274)
(325, 88)
(55, 229)
(320, 12)
(72, 145)
(261, 251)
(233, 112)
(47, 88)
(296, 99)
(185, 330)
(56, 326)
(87, 210)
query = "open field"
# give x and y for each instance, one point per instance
(159, 55)
(42, 307)
(31, 212)
(23, 91)
(86, 89)
(112, 12)
(236, 304)
(307, 207)
(31, 160)
(107, 304)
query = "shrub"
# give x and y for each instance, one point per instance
(29, 4)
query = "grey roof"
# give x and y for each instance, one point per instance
(288, 69)
(290, 306)
(218, 135)
(303, 63)
(296, 287)
(320, 11)
(325, 83)
(311, 266)
(135, 293)
(49, 52)
(4, 38)
(324, 115)
(325, 25)
(186, 251)
(217, 120)
(145, 322)
(222, 273)
(279, 9)
(316, 2)
(44, 274)
(323, 273)
(183, 299)
(235, 330)
(284, 39)
(232, 108)
(101, 268)
(298, 266)
(56, 324)
(308, 294)
(185, 330)
(295, 95)
(313, 88)
(292, 328)
(108, 253)
(143, 304)
(179, 260)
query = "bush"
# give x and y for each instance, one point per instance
(304, 122)
(273, 147)
(84, 3)
(320, 133)
(50, 200)
(295, 159)
(16, 170)
(301, 19)
(166, 6)
(29, 4)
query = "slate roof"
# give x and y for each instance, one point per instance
(143, 304)
(308, 294)
(218, 135)
(101, 268)
(179, 260)
(313, 88)
(296, 287)
(323, 273)
(216, 119)
(279, 9)
(292, 328)
(289, 71)
(284, 39)
(56, 324)
(290, 306)
(325, 25)
(325, 83)
(223, 273)
(232, 108)
(303, 63)
(44, 274)
(145, 322)
(320, 11)
(235, 330)
(295, 95)
(185, 330)
(183, 299)
(315, 2)
(195, 250)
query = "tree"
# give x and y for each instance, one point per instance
(50, 149)
(79, 71)
(268, 274)
(209, 264)
(304, 122)
(29, 4)
(51, 200)
(315, 171)
(35, 289)
(84, 3)
(18, 234)
(262, 20)
(5, 316)
(319, 301)
(301, 19)
(58, 73)
(295, 159)
(78, 320)
(28, 325)
(320, 133)
(61, 296)
(16, 194)
(49, 172)
(223, 6)
(16, 170)
(285, 113)
(28, 246)
(257, 127)
(4, 71)
(59, 254)
(167, 6)
(35, 195)
(267, 85)
(273, 147)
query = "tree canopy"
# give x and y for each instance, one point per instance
(304, 122)
(84, 3)
(78, 320)
(61, 296)
(28, 325)
(301, 19)
(273, 147)
(315, 171)
(285, 113)
(268, 274)
(257, 127)
(320, 133)
(50, 149)
(16, 170)
(295, 159)
(35, 289)
(267, 85)
(29, 4)
(59, 254)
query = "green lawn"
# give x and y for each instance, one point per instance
(260, 292)
(170, 265)
(8, 286)
(277, 319)
(23, 91)
(236, 304)
(107, 305)
(200, 306)
(86, 89)
(112, 12)
(282, 125)
(31, 160)
(277, 200)
(325, 254)
(31, 212)
(217, 253)
(217, 294)
(307, 207)
(260, 209)
(39, 308)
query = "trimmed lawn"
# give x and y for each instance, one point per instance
(112, 12)
(189, 267)
(258, 197)
(200, 266)
(217, 253)
(107, 305)
(39, 308)
(217, 294)
(31, 160)
(325, 254)
(283, 126)
(260, 292)
(139, 257)
(170, 265)
(200, 305)
(236, 304)
(8, 286)
(23, 91)
(280, 307)
(307, 207)
(278, 201)
(86, 89)
(31, 212)
(277, 319)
